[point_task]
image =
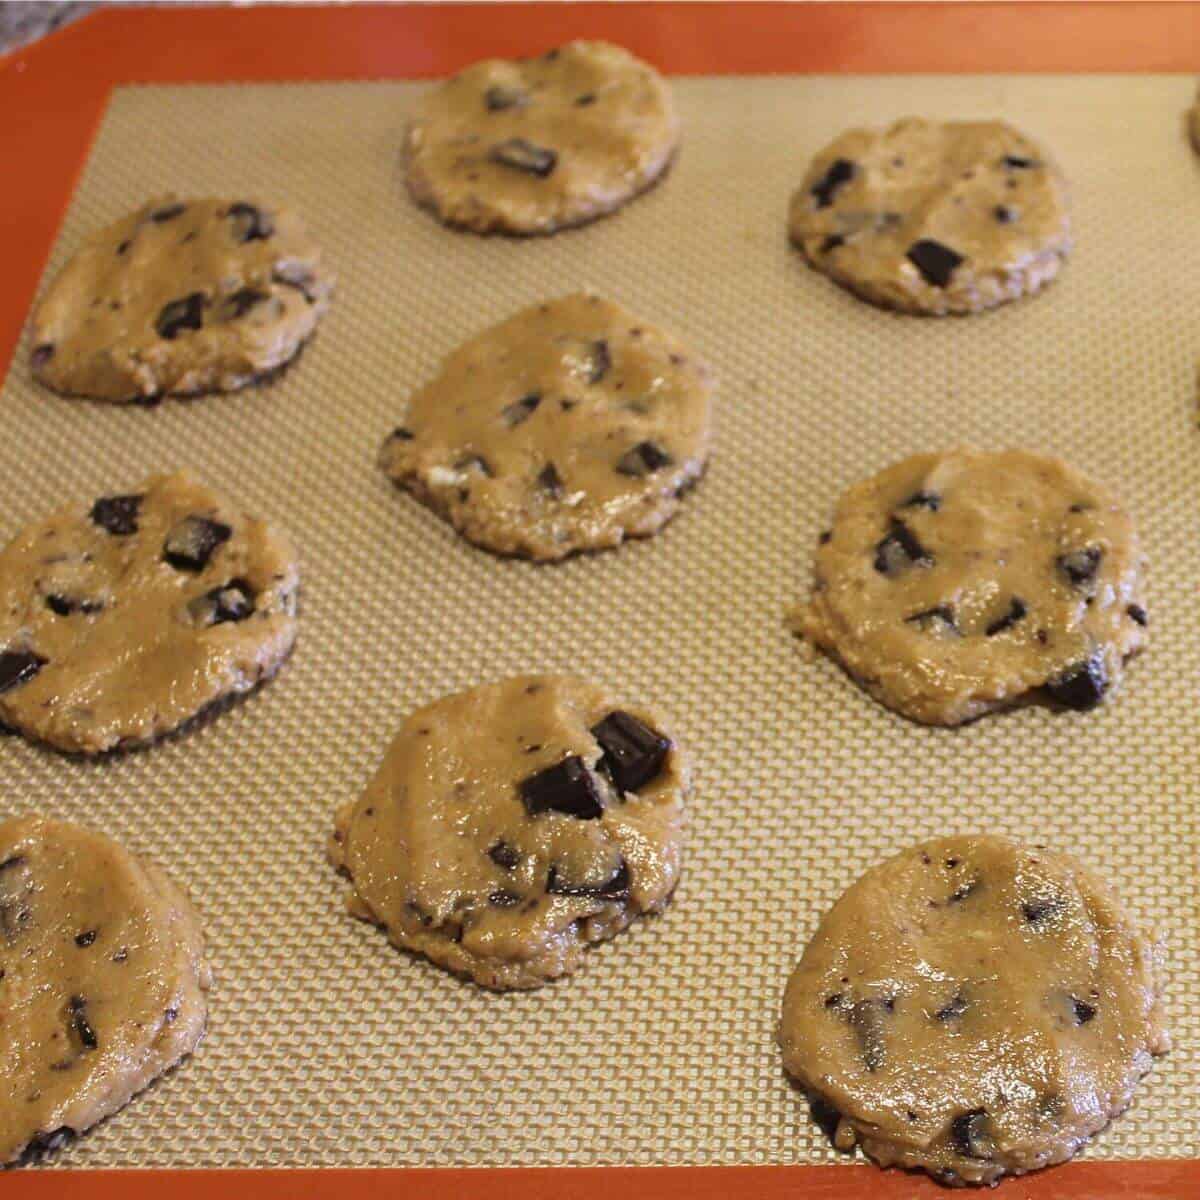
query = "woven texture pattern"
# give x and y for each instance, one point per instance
(328, 1047)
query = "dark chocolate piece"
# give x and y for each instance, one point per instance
(232, 601)
(938, 620)
(46, 1143)
(840, 172)
(935, 261)
(970, 1136)
(1016, 163)
(550, 481)
(586, 99)
(1084, 1011)
(1004, 214)
(504, 855)
(117, 515)
(523, 155)
(243, 300)
(832, 242)
(634, 753)
(952, 1008)
(192, 543)
(42, 354)
(186, 313)
(85, 939)
(963, 890)
(1082, 686)
(18, 667)
(1080, 566)
(1138, 614)
(64, 606)
(1040, 910)
(1016, 612)
(400, 434)
(616, 888)
(498, 98)
(644, 459)
(80, 1024)
(567, 787)
(521, 410)
(900, 550)
(924, 499)
(867, 1020)
(162, 215)
(10, 863)
(250, 224)
(504, 899)
(601, 361)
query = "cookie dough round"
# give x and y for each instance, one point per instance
(103, 978)
(541, 144)
(568, 427)
(934, 217)
(512, 826)
(955, 583)
(974, 1007)
(180, 298)
(121, 620)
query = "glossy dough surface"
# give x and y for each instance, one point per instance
(540, 144)
(180, 298)
(954, 583)
(461, 859)
(974, 1007)
(570, 426)
(102, 976)
(934, 217)
(121, 619)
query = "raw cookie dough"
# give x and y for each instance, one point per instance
(934, 217)
(122, 619)
(182, 297)
(102, 978)
(973, 1007)
(541, 144)
(951, 584)
(570, 426)
(510, 827)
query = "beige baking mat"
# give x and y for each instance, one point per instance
(328, 1047)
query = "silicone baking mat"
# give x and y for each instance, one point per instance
(326, 1046)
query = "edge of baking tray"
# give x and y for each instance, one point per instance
(59, 89)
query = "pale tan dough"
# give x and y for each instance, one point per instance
(446, 853)
(179, 298)
(106, 643)
(1022, 574)
(568, 427)
(102, 980)
(974, 1007)
(981, 190)
(589, 125)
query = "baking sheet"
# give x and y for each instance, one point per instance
(326, 1046)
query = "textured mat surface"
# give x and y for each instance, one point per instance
(328, 1047)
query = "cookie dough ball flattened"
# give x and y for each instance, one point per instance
(955, 583)
(541, 144)
(973, 1007)
(568, 427)
(934, 217)
(510, 827)
(180, 298)
(102, 976)
(121, 620)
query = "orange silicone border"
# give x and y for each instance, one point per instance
(52, 96)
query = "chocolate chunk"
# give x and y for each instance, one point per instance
(296, 275)
(634, 753)
(923, 499)
(1017, 163)
(117, 515)
(935, 261)
(192, 542)
(825, 537)
(970, 1136)
(80, 1025)
(938, 620)
(232, 601)
(644, 459)
(1137, 614)
(1016, 612)
(504, 855)
(835, 1000)
(85, 939)
(900, 550)
(1004, 214)
(1084, 1011)
(521, 410)
(601, 361)
(64, 606)
(187, 313)
(250, 224)
(523, 155)
(963, 890)
(18, 667)
(952, 1009)
(1039, 911)
(503, 899)
(162, 215)
(42, 354)
(124, 246)
(567, 787)
(47, 1143)
(400, 434)
(243, 300)
(840, 172)
(11, 863)
(832, 242)
(586, 99)
(550, 481)
(867, 1019)
(1082, 686)
(1080, 566)
(616, 888)
(498, 98)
